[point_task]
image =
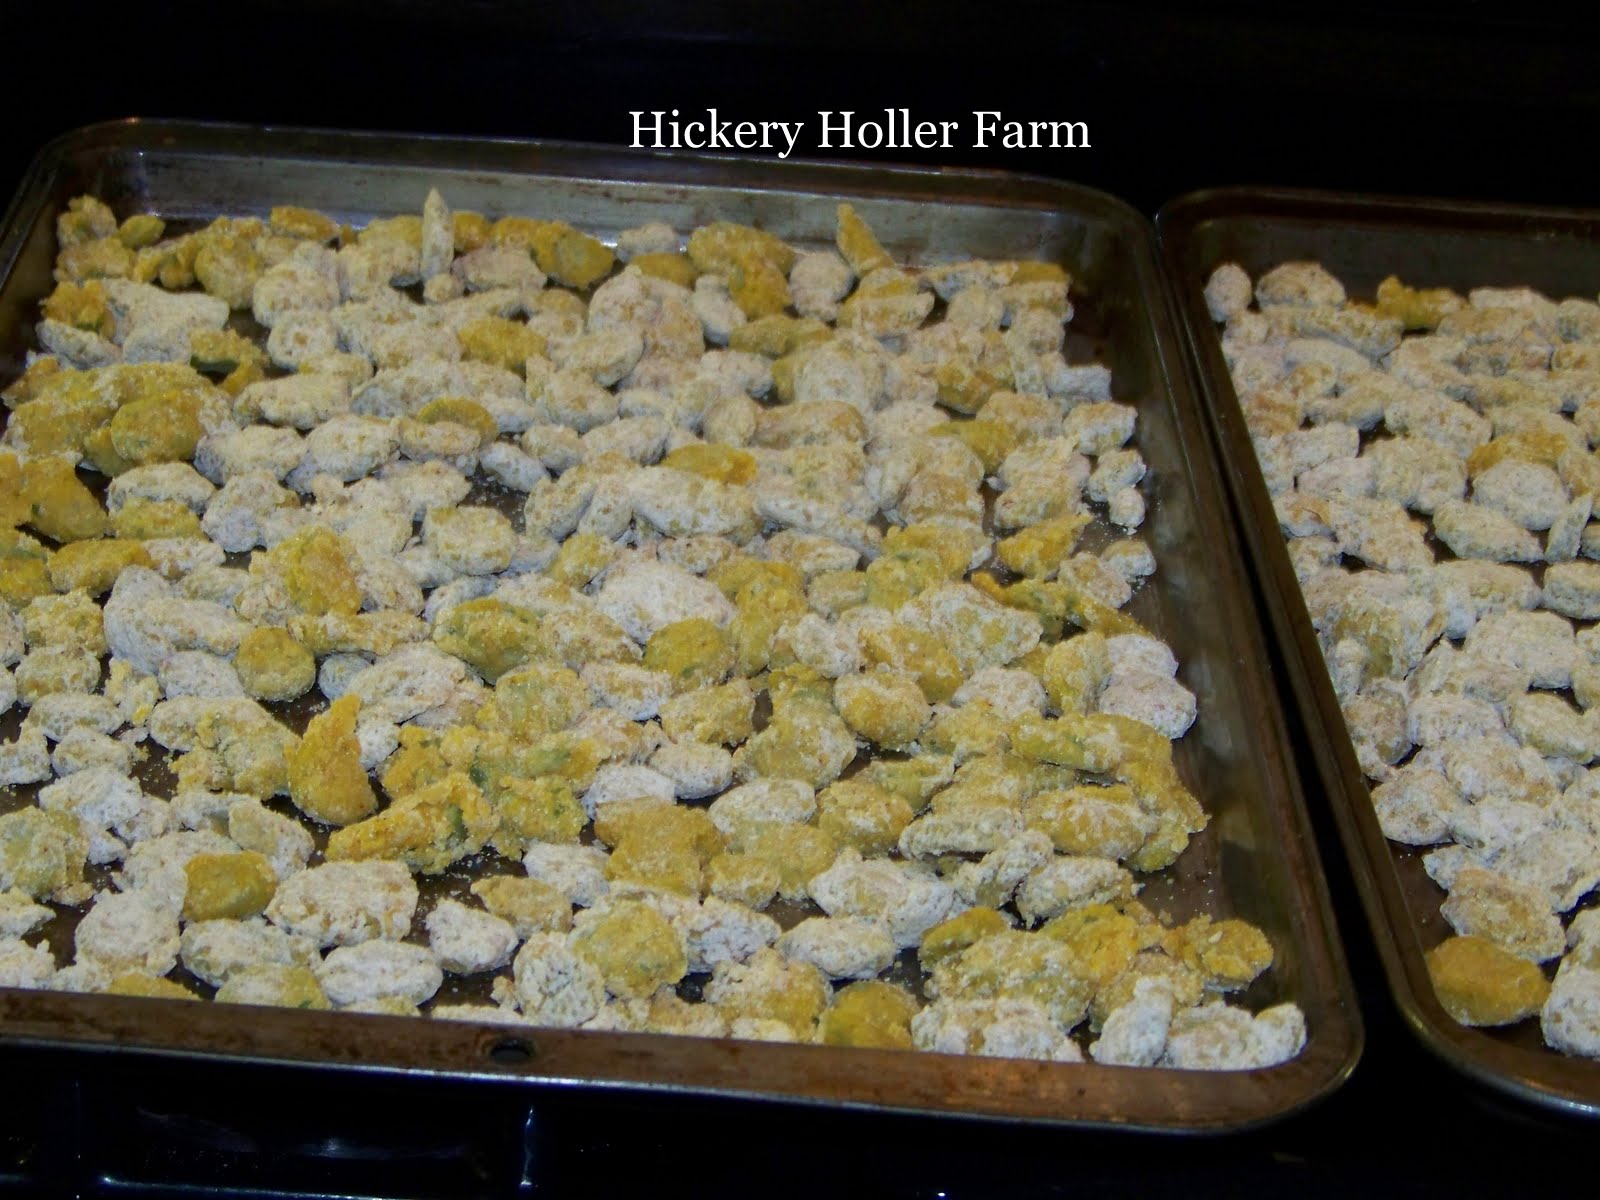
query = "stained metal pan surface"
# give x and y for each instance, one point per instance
(1256, 861)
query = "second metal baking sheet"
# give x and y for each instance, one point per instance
(1362, 240)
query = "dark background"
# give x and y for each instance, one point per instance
(1497, 100)
(1468, 100)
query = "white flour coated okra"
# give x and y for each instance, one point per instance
(649, 584)
(1431, 457)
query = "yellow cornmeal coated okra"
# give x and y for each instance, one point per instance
(535, 810)
(531, 905)
(291, 220)
(672, 267)
(862, 815)
(869, 1013)
(990, 441)
(573, 259)
(13, 504)
(1417, 309)
(724, 464)
(658, 845)
(70, 621)
(222, 351)
(141, 230)
(271, 665)
(95, 565)
(81, 306)
(717, 246)
(800, 852)
(376, 633)
(60, 506)
(1011, 964)
(534, 700)
(492, 636)
(1227, 954)
(139, 518)
(1107, 940)
(104, 258)
(885, 706)
(1479, 983)
(24, 569)
(156, 430)
(743, 879)
(86, 219)
(460, 411)
(1074, 671)
(326, 779)
(502, 342)
(1104, 821)
(153, 987)
(419, 760)
(41, 853)
(771, 988)
(694, 653)
(224, 886)
(634, 948)
(858, 244)
(428, 829)
(721, 715)
(469, 230)
(227, 265)
(953, 935)
(1038, 550)
(318, 569)
(778, 335)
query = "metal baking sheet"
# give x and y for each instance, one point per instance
(1361, 240)
(1256, 860)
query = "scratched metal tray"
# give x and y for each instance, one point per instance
(1361, 240)
(1256, 860)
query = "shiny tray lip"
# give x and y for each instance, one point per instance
(1544, 1078)
(568, 159)
(1085, 1095)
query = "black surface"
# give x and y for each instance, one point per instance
(1482, 100)
(1487, 99)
